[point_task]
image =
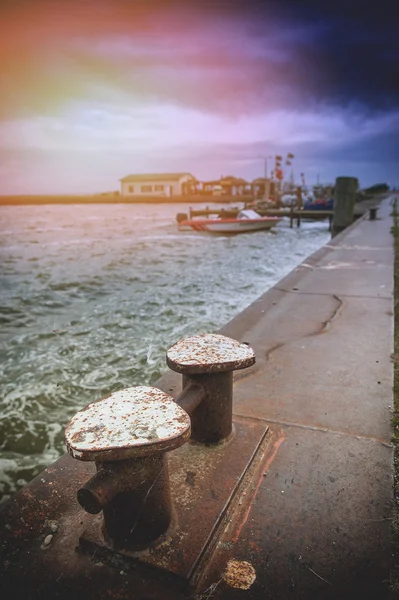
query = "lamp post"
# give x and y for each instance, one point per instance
(267, 182)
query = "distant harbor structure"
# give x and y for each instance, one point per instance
(185, 184)
(157, 184)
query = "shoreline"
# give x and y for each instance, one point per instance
(29, 200)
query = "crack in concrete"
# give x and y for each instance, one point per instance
(328, 322)
(276, 347)
(382, 441)
(321, 329)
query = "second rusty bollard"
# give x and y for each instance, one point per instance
(207, 362)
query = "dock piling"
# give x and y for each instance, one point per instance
(344, 203)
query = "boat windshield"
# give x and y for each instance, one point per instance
(248, 213)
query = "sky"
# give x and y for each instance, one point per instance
(94, 90)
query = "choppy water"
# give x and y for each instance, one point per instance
(91, 297)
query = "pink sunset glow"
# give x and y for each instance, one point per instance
(93, 91)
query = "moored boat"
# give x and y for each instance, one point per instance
(319, 204)
(246, 221)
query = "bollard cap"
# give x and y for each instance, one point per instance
(134, 422)
(209, 353)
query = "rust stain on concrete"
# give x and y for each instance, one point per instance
(239, 574)
(269, 461)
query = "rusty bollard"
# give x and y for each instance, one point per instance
(207, 363)
(373, 213)
(127, 435)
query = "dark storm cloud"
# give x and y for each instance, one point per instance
(234, 57)
(355, 45)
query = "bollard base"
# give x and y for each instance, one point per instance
(209, 485)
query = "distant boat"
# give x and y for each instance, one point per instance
(246, 221)
(321, 204)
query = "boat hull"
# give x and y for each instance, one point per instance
(229, 226)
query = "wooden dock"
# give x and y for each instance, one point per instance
(294, 214)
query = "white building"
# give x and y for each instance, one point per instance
(152, 184)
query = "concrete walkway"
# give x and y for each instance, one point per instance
(317, 525)
(320, 524)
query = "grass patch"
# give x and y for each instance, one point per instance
(395, 416)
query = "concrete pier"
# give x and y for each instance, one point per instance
(313, 521)
(324, 379)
